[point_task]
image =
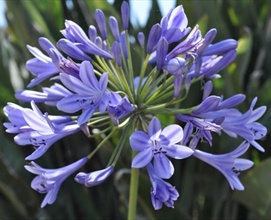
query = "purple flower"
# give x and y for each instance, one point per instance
(228, 164)
(244, 125)
(49, 96)
(161, 191)
(36, 129)
(118, 107)
(157, 144)
(42, 66)
(94, 178)
(90, 93)
(72, 50)
(17, 123)
(49, 180)
(174, 25)
(76, 35)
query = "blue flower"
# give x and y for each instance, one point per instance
(49, 96)
(77, 36)
(49, 180)
(36, 129)
(118, 107)
(90, 93)
(174, 25)
(244, 125)
(42, 66)
(157, 144)
(228, 164)
(216, 115)
(161, 191)
(94, 178)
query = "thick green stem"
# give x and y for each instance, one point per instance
(133, 192)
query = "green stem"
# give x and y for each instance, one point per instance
(133, 191)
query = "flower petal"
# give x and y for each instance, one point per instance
(142, 158)
(171, 134)
(163, 166)
(139, 140)
(154, 128)
(177, 151)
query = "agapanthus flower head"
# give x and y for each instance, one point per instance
(157, 144)
(106, 85)
(49, 180)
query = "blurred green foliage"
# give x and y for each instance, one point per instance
(204, 193)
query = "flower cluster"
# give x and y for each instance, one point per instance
(96, 84)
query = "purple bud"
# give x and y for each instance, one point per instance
(208, 104)
(94, 178)
(175, 66)
(125, 14)
(99, 42)
(100, 19)
(161, 52)
(154, 37)
(114, 27)
(92, 33)
(208, 87)
(124, 44)
(116, 50)
(208, 38)
(220, 63)
(221, 47)
(141, 39)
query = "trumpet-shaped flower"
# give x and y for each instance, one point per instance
(94, 178)
(49, 96)
(157, 144)
(42, 66)
(228, 164)
(49, 180)
(162, 192)
(36, 129)
(89, 93)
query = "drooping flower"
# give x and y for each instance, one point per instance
(157, 144)
(94, 178)
(89, 93)
(49, 180)
(228, 164)
(162, 192)
(37, 129)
